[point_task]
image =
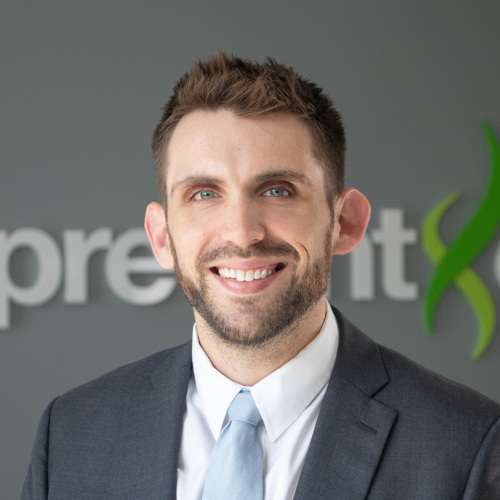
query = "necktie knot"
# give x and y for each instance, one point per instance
(244, 409)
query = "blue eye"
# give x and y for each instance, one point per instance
(205, 194)
(277, 192)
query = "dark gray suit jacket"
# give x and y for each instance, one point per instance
(387, 429)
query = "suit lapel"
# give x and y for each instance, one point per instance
(352, 427)
(170, 382)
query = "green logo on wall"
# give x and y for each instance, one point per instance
(452, 264)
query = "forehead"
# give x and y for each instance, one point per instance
(221, 143)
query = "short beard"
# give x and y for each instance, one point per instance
(283, 315)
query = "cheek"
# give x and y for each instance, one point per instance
(307, 234)
(191, 237)
(295, 230)
(301, 225)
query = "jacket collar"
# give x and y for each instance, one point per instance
(352, 426)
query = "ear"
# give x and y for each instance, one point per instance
(156, 229)
(352, 213)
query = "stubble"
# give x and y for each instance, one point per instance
(250, 323)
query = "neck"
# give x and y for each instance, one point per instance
(248, 365)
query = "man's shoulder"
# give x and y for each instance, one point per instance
(132, 381)
(413, 384)
(403, 383)
(116, 436)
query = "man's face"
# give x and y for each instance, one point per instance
(249, 226)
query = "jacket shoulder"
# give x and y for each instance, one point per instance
(117, 436)
(132, 380)
(415, 384)
(403, 384)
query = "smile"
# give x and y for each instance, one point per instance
(248, 274)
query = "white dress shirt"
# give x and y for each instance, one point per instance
(289, 400)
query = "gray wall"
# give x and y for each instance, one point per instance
(82, 84)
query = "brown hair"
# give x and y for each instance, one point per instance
(249, 89)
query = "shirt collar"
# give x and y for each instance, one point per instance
(280, 397)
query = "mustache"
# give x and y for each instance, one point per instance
(261, 249)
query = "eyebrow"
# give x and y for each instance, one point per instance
(194, 180)
(283, 175)
(275, 175)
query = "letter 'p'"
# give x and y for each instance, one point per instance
(49, 275)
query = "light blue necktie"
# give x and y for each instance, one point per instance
(235, 468)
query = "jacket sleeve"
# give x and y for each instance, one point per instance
(36, 485)
(484, 478)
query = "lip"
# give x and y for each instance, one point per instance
(247, 265)
(247, 287)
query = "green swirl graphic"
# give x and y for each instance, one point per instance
(452, 262)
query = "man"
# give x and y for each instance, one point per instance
(249, 160)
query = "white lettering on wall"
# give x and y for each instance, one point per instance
(119, 266)
(363, 271)
(49, 270)
(392, 236)
(78, 248)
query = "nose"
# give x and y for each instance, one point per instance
(244, 224)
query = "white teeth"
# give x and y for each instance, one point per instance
(241, 275)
